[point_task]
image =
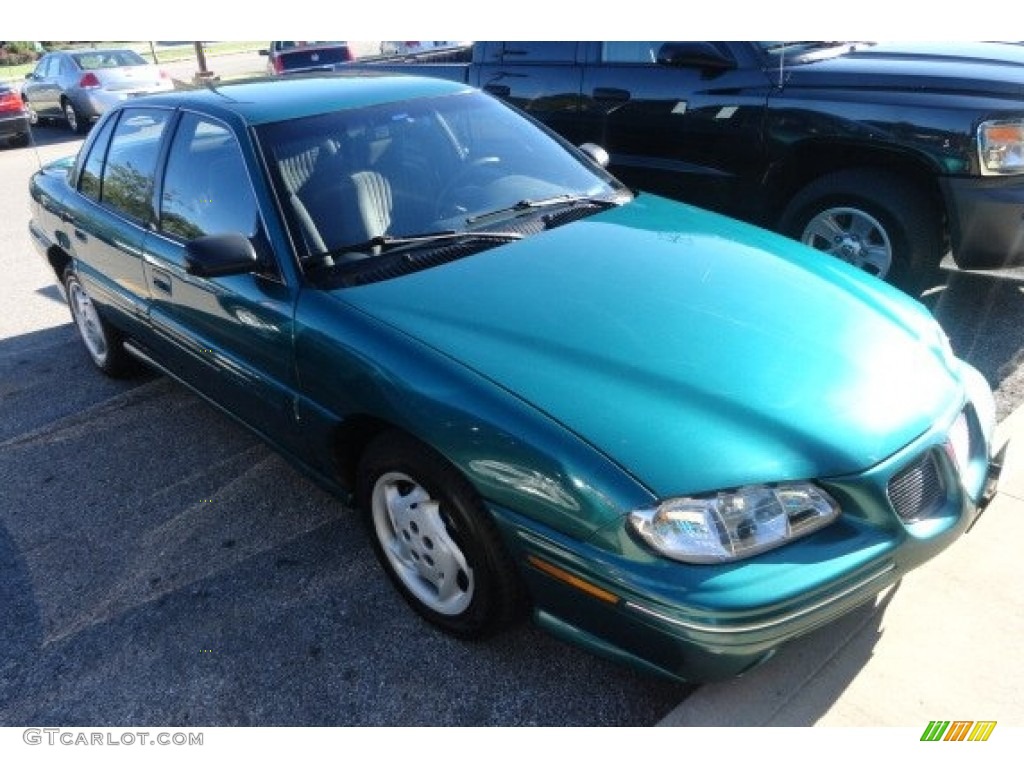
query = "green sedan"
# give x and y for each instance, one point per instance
(675, 439)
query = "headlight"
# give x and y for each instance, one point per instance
(1001, 147)
(731, 525)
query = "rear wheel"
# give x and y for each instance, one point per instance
(77, 122)
(435, 538)
(102, 341)
(875, 220)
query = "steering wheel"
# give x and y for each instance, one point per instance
(461, 190)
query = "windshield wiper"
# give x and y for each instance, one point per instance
(547, 202)
(388, 243)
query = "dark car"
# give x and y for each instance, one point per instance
(680, 440)
(14, 118)
(291, 56)
(77, 86)
(886, 156)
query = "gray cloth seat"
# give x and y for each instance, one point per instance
(352, 211)
(335, 208)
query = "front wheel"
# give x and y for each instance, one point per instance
(875, 220)
(435, 538)
(102, 341)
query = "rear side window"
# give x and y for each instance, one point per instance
(206, 187)
(90, 179)
(127, 181)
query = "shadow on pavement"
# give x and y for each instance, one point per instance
(169, 569)
(800, 683)
(20, 629)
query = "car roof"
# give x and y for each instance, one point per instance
(267, 100)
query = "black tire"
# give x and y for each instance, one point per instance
(77, 122)
(899, 219)
(435, 539)
(103, 342)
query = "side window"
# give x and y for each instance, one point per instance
(539, 52)
(89, 180)
(67, 67)
(631, 52)
(47, 67)
(127, 184)
(206, 188)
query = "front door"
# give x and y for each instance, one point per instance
(230, 337)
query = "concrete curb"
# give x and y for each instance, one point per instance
(942, 643)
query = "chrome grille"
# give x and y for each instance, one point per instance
(917, 492)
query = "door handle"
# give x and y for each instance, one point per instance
(162, 280)
(612, 94)
(80, 235)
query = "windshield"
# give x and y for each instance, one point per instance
(452, 164)
(108, 59)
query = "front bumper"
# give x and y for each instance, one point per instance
(986, 220)
(712, 622)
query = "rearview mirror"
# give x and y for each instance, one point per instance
(220, 255)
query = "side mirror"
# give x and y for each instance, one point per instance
(597, 154)
(698, 55)
(220, 255)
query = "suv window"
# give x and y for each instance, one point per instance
(630, 52)
(531, 52)
(127, 184)
(206, 188)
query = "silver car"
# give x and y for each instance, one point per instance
(78, 86)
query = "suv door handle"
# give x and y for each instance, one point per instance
(612, 94)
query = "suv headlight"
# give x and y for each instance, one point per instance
(1001, 147)
(731, 525)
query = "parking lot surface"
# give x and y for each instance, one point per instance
(161, 566)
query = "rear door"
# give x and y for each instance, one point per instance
(682, 130)
(230, 337)
(42, 89)
(110, 224)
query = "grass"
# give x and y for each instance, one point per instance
(164, 53)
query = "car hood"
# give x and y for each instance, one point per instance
(695, 351)
(992, 69)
